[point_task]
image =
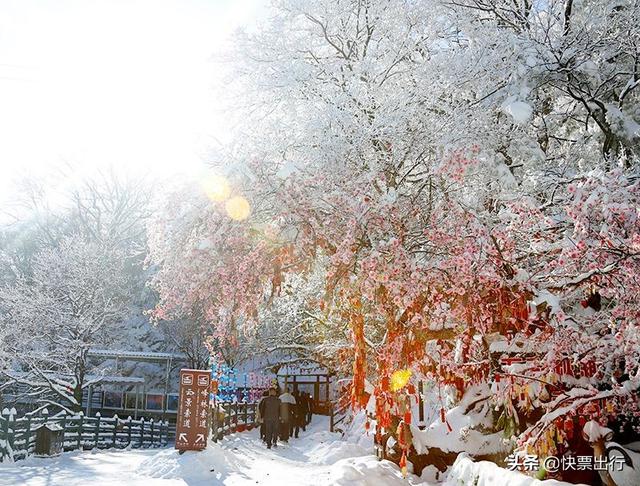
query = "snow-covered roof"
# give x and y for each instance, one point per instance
(89, 378)
(308, 368)
(136, 355)
(125, 380)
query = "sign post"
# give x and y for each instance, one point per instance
(193, 410)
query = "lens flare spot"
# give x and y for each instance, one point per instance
(238, 208)
(399, 379)
(216, 187)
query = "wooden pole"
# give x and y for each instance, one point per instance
(27, 436)
(166, 389)
(135, 414)
(96, 435)
(63, 423)
(141, 432)
(80, 419)
(89, 396)
(129, 431)
(115, 430)
(11, 422)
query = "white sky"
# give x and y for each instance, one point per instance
(127, 83)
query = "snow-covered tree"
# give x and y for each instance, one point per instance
(69, 303)
(187, 336)
(107, 209)
(464, 174)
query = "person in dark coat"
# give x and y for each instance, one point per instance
(263, 429)
(302, 410)
(287, 404)
(271, 417)
(308, 404)
(297, 418)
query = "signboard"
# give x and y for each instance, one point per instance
(193, 410)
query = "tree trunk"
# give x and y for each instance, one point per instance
(77, 394)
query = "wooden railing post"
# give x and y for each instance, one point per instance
(331, 424)
(8, 432)
(235, 416)
(115, 430)
(27, 436)
(212, 422)
(63, 424)
(245, 415)
(129, 431)
(4, 432)
(151, 432)
(12, 428)
(79, 430)
(96, 436)
(141, 432)
(216, 422)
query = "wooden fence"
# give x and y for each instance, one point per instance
(338, 414)
(18, 436)
(227, 418)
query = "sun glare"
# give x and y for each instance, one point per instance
(216, 187)
(101, 84)
(238, 208)
(399, 379)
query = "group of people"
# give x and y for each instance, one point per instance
(282, 416)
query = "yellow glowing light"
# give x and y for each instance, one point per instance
(216, 187)
(238, 208)
(399, 379)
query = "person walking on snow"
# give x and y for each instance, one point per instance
(303, 404)
(287, 402)
(271, 416)
(308, 403)
(260, 416)
(298, 415)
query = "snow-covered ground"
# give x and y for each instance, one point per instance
(317, 458)
(104, 468)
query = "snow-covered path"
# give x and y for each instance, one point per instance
(108, 468)
(316, 458)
